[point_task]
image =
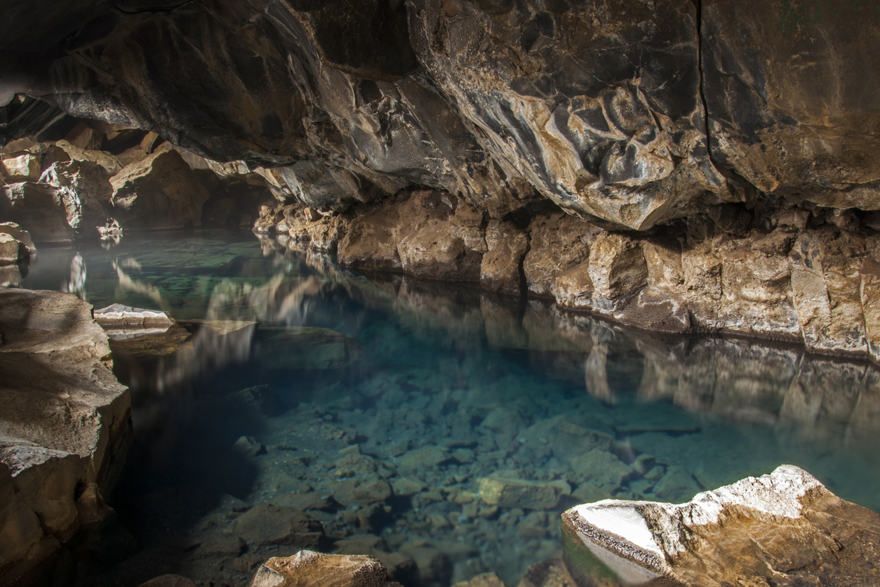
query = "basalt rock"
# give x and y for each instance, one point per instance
(785, 527)
(66, 424)
(312, 569)
(800, 279)
(677, 166)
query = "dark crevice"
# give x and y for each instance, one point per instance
(154, 8)
(702, 81)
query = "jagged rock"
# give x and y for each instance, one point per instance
(521, 493)
(557, 243)
(312, 569)
(66, 424)
(22, 167)
(782, 527)
(160, 191)
(21, 235)
(36, 206)
(11, 250)
(501, 266)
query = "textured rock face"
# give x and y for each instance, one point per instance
(784, 527)
(795, 277)
(142, 186)
(65, 424)
(736, 164)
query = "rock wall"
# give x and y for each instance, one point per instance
(66, 189)
(66, 426)
(729, 147)
(800, 277)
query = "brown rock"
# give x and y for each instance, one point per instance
(617, 270)
(501, 266)
(58, 437)
(783, 527)
(311, 569)
(21, 167)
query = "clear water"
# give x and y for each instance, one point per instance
(287, 430)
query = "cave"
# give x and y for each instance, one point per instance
(546, 293)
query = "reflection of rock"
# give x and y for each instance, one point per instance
(783, 527)
(311, 569)
(305, 348)
(65, 423)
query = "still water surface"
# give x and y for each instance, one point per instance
(312, 407)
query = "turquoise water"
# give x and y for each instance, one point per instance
(313, 407)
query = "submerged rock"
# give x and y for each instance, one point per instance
(784, 527)
(312, 569)
(519, 493)
(66, 425)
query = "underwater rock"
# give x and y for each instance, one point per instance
(308, 348)
(784, 526)
(550, 573)
(66, 424)
(168, 581)
(482, 580)
(509, 492)
(312, 569)
(266, 524)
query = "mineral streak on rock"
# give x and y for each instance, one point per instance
(785, 527)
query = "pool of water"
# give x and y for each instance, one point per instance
(437, 428)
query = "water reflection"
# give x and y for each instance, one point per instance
(377, 407)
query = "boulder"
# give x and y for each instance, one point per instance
(66, 424)
(21, 235)
(11, 250)
(784, 527)
(312, 569)
(21, 167)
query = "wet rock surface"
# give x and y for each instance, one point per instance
(66, 427)
(784, 527)
(786, 276)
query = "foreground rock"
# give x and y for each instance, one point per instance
(785, 528)
(136, 331)
(65, 425)
(312, 569)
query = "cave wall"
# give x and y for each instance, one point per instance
(717, 160)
